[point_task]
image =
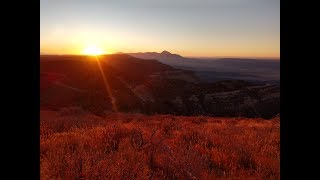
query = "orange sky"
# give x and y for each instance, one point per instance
(206, 29)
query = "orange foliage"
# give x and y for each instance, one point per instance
(77, 145)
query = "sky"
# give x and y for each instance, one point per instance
(197, 28)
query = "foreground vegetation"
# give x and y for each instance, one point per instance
(78, 145)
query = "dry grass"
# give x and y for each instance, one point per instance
(79, 145)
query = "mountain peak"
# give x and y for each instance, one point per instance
(166, 52)
(169, 55)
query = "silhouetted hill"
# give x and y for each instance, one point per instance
(147, 86)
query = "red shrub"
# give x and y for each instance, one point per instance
(77, 145)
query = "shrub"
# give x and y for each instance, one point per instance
(85, 146)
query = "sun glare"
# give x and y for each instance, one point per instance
(93, 50)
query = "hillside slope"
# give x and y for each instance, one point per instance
(147, 86)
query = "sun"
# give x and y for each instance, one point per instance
(93, 50)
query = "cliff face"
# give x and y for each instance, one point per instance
(149, 87)
(250, 102)
(259, 101)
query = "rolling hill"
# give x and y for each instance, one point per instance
(147, 86)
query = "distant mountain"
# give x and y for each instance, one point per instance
(212, 70)
(155, 55)
(149, 87)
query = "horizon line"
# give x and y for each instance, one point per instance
(196, 57)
